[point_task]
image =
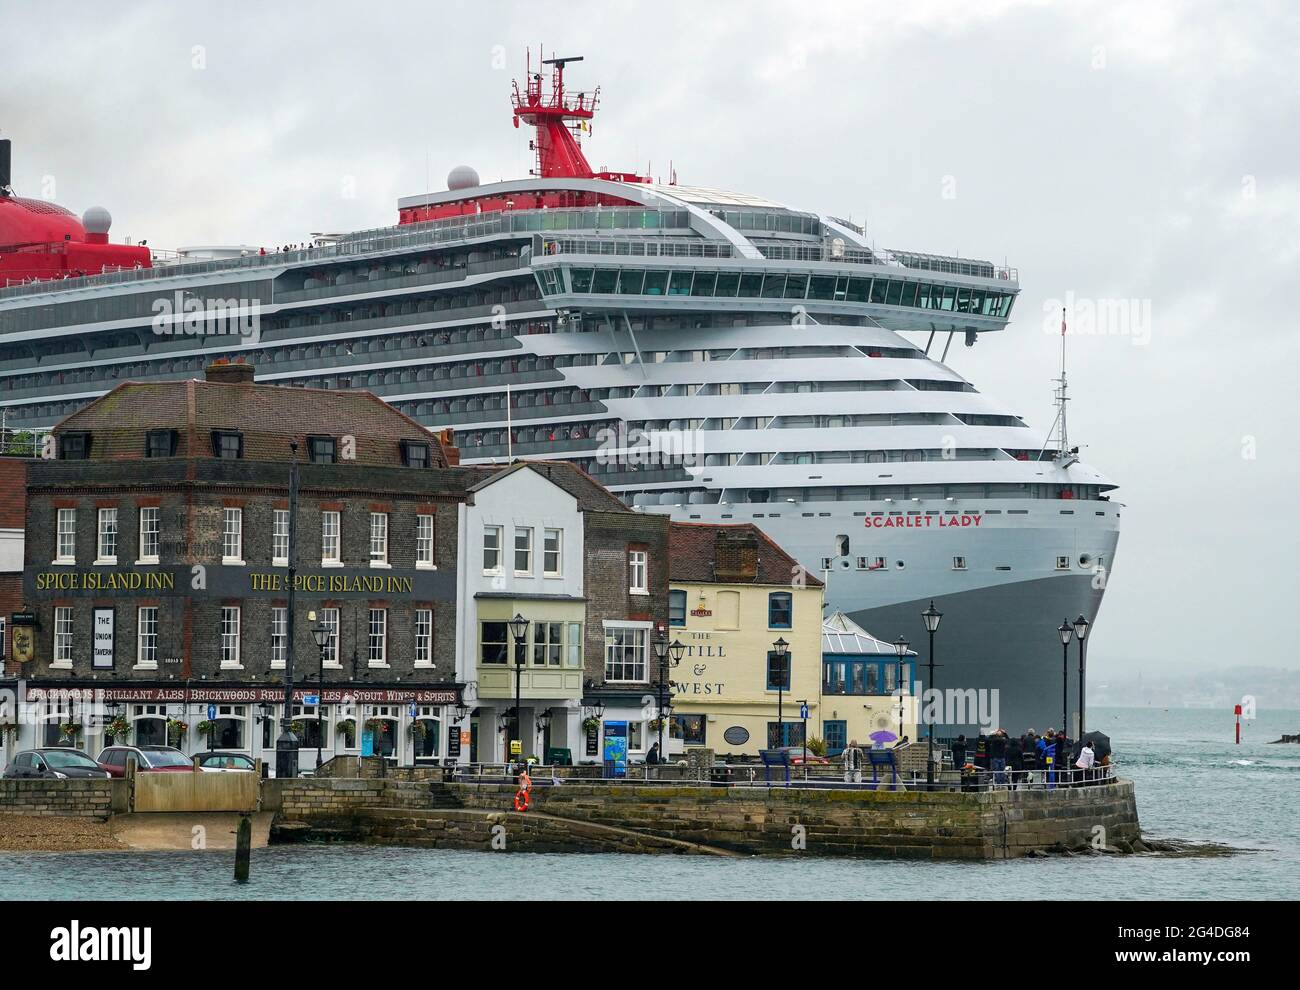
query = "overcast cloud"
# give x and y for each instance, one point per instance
(1142, 152)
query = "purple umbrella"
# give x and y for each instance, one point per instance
(881, 737)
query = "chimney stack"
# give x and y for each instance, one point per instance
(735, 555)
(229, 373)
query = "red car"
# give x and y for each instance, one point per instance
(149, 759)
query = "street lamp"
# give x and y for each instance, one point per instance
(782, 651)
(321, 634)
(518, 632)
(543, 722)
(931, 617)
(668, 655)
(900, 648)
(1081, 626)
(1066, 632)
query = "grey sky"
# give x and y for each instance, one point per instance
(1143, 152)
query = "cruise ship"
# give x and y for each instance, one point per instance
(713, 355)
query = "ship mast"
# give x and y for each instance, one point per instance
(1064, 454)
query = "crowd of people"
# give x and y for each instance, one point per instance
(1050, 758)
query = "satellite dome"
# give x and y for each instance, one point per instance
(96, 220)
(462, 177)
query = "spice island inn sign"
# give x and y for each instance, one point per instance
(226, 581)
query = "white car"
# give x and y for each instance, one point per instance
(226, 763)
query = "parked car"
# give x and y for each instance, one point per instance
(54, 763)
(226, 763)
(797, 756)
(148, 759)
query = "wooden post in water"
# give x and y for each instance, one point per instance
(243, 848)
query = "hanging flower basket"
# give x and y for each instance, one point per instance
(590, 723)
(378, 726)
(70, 730)
(206, 727)
(8, 730)
(176, 730)
(418, 730)
(297, 727)
(656, 724)
(119, 727)
(348, 729)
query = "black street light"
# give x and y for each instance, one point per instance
(1081, 626)
(782, 651)
(518, 632)
(543, 722)
(931, 616)
(900, 647)
(1067, 633)
(668, 655)
(286, 744)
(321, 634)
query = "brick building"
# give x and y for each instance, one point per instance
(157, 567)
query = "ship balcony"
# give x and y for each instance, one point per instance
(385, 280)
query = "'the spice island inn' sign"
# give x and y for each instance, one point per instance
(225, 581)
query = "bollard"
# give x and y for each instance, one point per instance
(243, 848)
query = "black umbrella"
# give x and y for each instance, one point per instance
(1100, 743)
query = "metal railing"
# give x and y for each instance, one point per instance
(378, 240)
(817, 777)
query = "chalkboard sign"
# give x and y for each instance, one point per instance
(453, 743)
(593, 742)
(736, 735)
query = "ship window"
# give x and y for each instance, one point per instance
(704, 282)
(581, 279)
(949, 298)
(878, 290)
(680, 284)
(821, 287)
(895, 294)
(862, 563)
(727, 284)
(631, 281)
(959, 563)
(604, 280)
(796, 286)
(773, 286)
(751, 284)
(909, 294)
(655, 282)
(1062, 563)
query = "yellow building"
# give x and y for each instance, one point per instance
(733, 595)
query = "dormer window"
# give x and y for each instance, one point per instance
(415, 453)
(160, 443)
(227, 444)
(322, 450)
(74, 446)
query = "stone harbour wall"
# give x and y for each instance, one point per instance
(886, 824)
(96, 799)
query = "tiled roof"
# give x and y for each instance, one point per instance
(269, 416)
(694, 551)
(591, 495)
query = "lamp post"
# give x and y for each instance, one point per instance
(543, 722)
(931, 616)
(286, 744)
(782, 650)
(321, 634)
(668, 655)
(518, 633)
(900, 648)
(1066, 632)
(1081, 626)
